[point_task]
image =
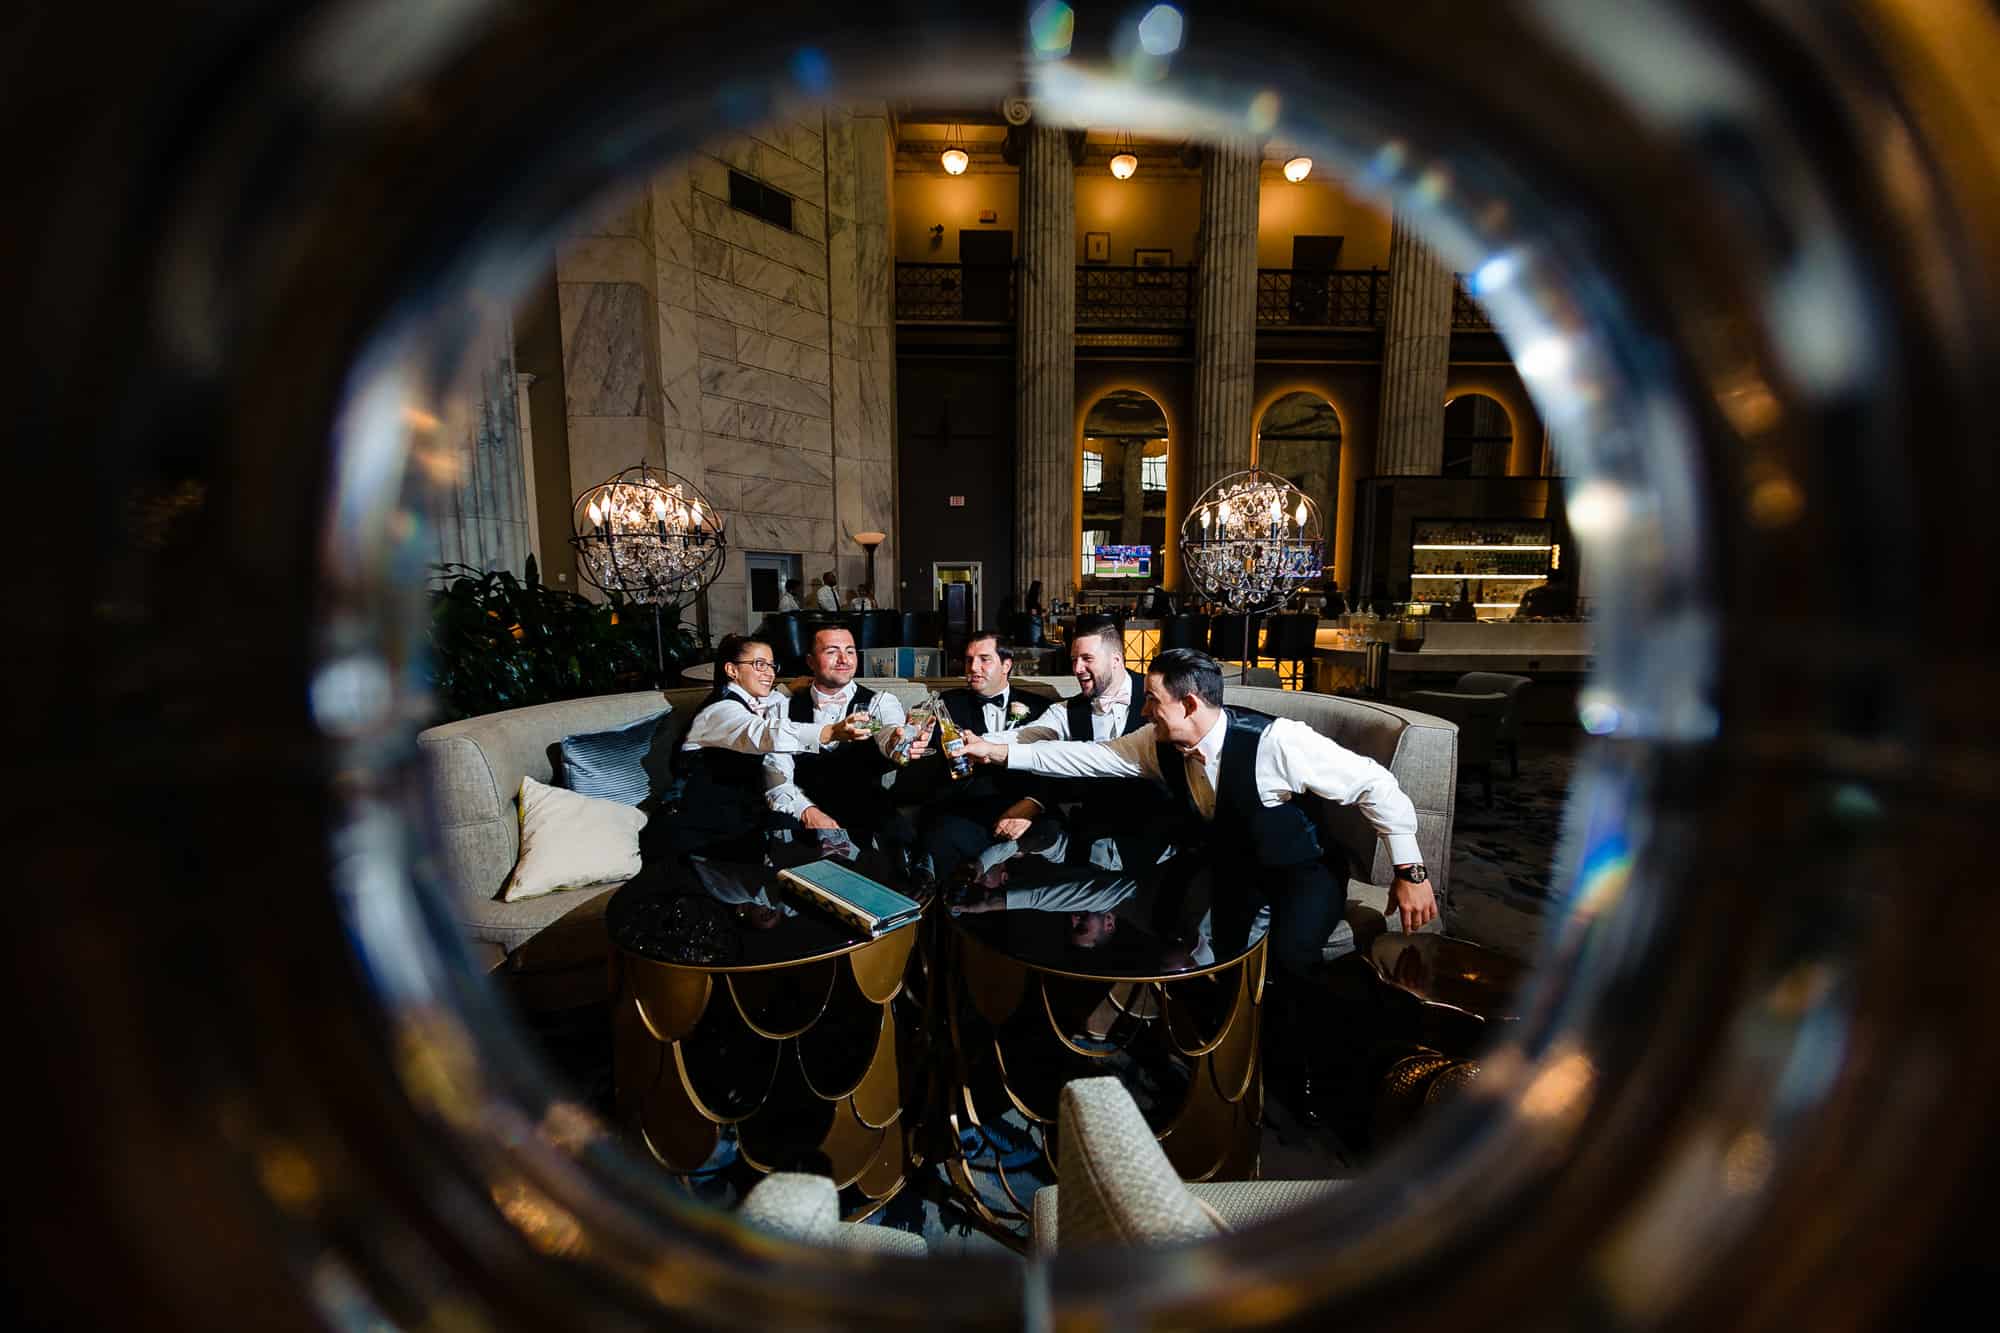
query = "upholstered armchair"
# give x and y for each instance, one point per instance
(1478, 717)
(1116, 1187)
(1499, 682)
(807, 1208)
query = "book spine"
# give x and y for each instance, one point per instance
(840, 907)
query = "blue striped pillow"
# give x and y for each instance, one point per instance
(609, 764)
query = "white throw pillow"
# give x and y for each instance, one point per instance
(571, 841)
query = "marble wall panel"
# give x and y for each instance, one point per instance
(749, 384)
(843, 300)
(800, 325)
(715, 337)
(672, 239)
(739, 151)
(840, 183)
(805, 143)
(680, 367)
(779, 281)
(809, 220)
(712, 255)
(873, 278)
(682, 450)
(778, 532)
(774, 426)
(604, 259)
(846, 339)
(718, 415)
(710, 175)
(725, 300)
(746, 458)
(782, 355)
(674, 284)
(728, 609)
(762, 495)
(607, 343)
(801, 180)
(601, 446)
(724, 491)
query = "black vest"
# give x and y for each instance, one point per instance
(819, 775)
(724, 791)
(1244, 829)
(1135, 711)
(968, 708)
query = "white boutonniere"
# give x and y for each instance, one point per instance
(1017, 713)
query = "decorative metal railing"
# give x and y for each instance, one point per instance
(1466, 313)
(1340, 298)
(1127, 297)
(954, 293)
(1108, 297)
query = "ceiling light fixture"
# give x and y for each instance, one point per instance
(954, 158)
(1123, 165)
(1298, 169)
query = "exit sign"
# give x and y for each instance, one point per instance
(958, 502)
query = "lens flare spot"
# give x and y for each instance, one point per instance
(1052, 27)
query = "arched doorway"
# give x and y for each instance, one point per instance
(1123, 514)
(1298, 437)
(1478, 435)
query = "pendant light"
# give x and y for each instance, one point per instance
(1298, 169)
(954, 158)
(1123, 165)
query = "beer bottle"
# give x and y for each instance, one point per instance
(954, 748)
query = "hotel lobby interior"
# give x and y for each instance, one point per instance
(1150, 665)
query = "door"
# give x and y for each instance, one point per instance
(957, 589)
(765, 576)
(987, 266)
(1313, 260)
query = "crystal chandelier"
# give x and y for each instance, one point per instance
(647, 535)
(1250, 540)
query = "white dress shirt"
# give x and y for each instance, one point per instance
(1291, 758)
(762, 728)
(993, 717)
(1107, 718)
(828, 598)
(781, 788)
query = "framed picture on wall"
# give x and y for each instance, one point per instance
(1152, 259)
(1097, 247)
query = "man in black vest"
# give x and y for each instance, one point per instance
(1245, 784)
(961, 818)
(1110, 702)
(840, 786)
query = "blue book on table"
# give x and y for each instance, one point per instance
(875, 908)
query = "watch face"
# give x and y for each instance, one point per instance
(1414, 874)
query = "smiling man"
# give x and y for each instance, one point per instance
(840, 786)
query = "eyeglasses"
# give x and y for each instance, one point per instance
(761, 663)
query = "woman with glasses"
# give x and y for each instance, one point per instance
(723, 812)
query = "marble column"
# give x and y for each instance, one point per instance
(1225, 325)
(1416, 353)
(1045, 368)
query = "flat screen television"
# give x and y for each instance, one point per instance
(1124, 562)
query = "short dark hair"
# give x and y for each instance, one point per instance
(730, 649)
(1185, 671)
(793, 585)
(829, 629)
(1099, 627)
(1000, 648)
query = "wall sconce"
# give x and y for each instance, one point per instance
(937, 233)
(1298, 169)
(1124, 164)
(954, 158)
(868, 541)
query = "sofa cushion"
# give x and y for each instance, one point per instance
(610, 765)
(571, 841)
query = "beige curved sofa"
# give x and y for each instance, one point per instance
(552, 949)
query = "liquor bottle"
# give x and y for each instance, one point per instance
(959, 762)
(915, 727)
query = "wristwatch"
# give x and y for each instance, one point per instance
(1414, 872)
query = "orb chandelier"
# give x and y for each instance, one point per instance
(1124, 164)
(647, 535)
(1250, 540)
(1298, 169)
(954, 158)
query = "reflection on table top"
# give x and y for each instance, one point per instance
(732, 917)
(1439, 969)
(1081, 922)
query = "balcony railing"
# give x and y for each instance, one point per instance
(1109, 297)
(955, 293)
(1466, 313)
(1337, 298)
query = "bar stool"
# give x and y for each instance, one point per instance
(1288, 641)
(1226, 638)
(1184, 631)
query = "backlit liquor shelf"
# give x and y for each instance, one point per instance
(1492, 563)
